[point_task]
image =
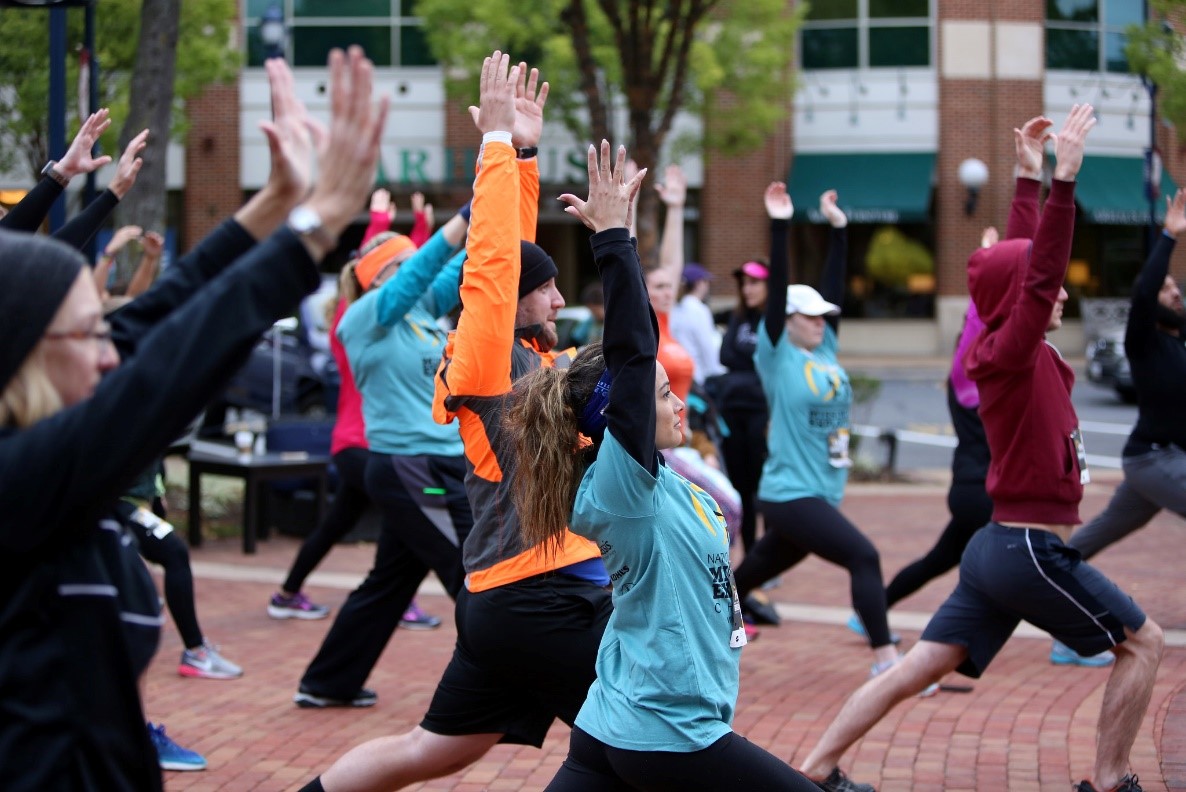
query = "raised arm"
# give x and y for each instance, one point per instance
(78, 232)
(480, 359)
(150, 264)
(1141, 332)
(381, 215)
(1029, 143)
(530, 98)
(631, 339)
(417, 274)
(422, 220)
(673, 191)
(832, 279)
(28, 214)
(780, 210)
(1021, 335)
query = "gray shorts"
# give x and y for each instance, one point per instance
(1009, 575)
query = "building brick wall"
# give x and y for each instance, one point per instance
(212, 189)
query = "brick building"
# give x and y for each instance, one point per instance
(893, 96)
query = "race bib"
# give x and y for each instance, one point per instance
(838, 449)
(155, 525)
(1081, 454)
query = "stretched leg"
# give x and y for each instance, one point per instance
(349, 504)
(1126, 512)
(771, 555)
(164, 547)
(1126, 698)
(924, 664)
(971, 508)
(396, 762)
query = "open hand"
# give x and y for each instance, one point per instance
(120, 239)
(673, 190)
(831, 210)
(1071, 141)
(778, 202)
(496, 95)
(77, 158)
(381, 203)
(290, 135)
(153, 244)
(129, 165)
(1030, 143)
(989, 237)
(1175, 213)
(529, 108)
(611, 195)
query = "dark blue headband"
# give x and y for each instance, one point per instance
(592, 420)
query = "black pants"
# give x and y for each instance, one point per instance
(812, 525)
(169, 552)
(350, 504)
(745, 453)
(422, 529)
(971, 509)
(730, 763)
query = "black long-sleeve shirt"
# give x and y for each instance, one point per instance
(1158, 361)
(75, 603)
(831, 281)
(32, 209)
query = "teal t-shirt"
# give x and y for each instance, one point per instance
(394, 346)
(667, 675)
(809, 398)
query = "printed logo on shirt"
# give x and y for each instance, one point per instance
(718, 574)
(827, 418)
(824, 380)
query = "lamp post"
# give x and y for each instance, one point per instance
(273, 32)
(973, 174)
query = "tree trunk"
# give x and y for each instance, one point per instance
(150, 105)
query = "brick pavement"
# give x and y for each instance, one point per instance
(1026, 726)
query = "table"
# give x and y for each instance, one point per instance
(254, 469)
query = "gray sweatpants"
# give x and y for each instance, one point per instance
(1152, 481)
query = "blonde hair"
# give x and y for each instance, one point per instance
(550, 458)
(29, 396)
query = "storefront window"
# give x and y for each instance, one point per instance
(386, 29)
(850, 34)
(1089, 35)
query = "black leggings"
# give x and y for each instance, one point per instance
(349, 505)
(971, 509)
(745, 453)
(812, 525)
(730, 763)
(173, 556)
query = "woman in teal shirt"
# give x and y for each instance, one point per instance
(659, 714)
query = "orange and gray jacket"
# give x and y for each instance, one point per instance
(482, 359)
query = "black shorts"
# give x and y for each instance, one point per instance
(525, 655)
(1009, 575)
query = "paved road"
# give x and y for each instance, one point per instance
(912, 400)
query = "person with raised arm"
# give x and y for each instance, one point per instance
(1018, 567)
(659, 716)
(79, 615)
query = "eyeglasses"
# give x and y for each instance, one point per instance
(101, 334)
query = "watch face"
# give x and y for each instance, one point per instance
(304, 220)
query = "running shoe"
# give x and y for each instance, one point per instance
(854, 623)
(171, 755)
(759, 610)
(416, 619)
(206, 663)
(1127, 784)
(1061, 654)
(751, 632)
(837, 781)
(307, 700)
(297, 606)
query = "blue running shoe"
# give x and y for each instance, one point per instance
(171, 755)
(854, 624)
(1061, 654)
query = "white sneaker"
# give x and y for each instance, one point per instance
(206, 663)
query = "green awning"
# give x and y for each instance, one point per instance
(872, 188)
(1111, 191)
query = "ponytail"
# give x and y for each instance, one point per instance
(550, 456)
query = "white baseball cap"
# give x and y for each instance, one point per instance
(807, 301)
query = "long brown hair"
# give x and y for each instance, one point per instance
(550, 458)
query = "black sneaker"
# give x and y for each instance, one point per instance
(363, 698)
(759, 611)
(1127, 784)
(837, 781)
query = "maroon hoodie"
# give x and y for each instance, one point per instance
(1024, 384)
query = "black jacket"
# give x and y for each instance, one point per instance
(78, 613)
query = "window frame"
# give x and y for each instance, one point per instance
(863, 24)
(1102, 30)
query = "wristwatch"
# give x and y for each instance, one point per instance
(528, 152)
(52, 172)
(305, 222)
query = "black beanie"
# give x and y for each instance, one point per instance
(36, 273)
(536, 267)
